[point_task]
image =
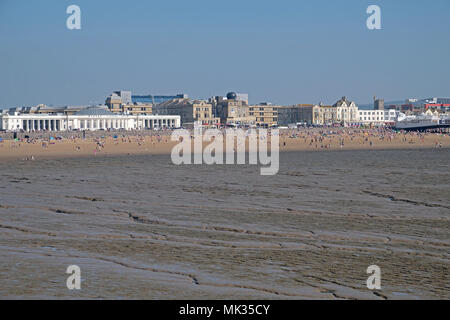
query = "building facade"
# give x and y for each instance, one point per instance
(155, 99)
(324, 115)
(43, 109)
(300, 113)
(378, 104)
(266, 115)
(121, 102)
(378, 117)
(234, 112)
(87, 119)
(439, 107)
(190, 111)
(343, 112)
(136, 109)
(231, 110)
(125, 96)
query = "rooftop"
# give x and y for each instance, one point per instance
(94, 111)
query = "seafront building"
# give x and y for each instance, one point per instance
(378, 104)
(190, 111)
(93, 118)
(265, 113)
(346, 111)
(121, 102)
(234, 110)
(126, 103)
(231, 110)
(124, 111)
(419, 106)
(43, 109)
(297, 114)
(343, 112)
(378, 117)
(155, 99)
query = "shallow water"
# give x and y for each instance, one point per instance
(141, 227)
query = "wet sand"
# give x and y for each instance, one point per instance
(141, 227)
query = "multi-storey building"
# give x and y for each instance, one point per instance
(190, 111)
(300, 113)
(137, 108)
(232, 111)
(121, 102)
(343, 112)
(125, 96)
(378, 117)
(371, 117)
(378, 104)
(439, 107)
(114, 103)
(266, 114)
(417, 107)
(155, 99)
(324, 115)
(346, 111)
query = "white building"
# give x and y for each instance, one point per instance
(391, 116)
(377, 117)
(343, 112)
(87, 119)
(346, 111)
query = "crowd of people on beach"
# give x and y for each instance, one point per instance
(319, 138)
(310, 138)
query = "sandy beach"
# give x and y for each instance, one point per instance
(138, 143)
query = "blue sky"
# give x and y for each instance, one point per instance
(280, 51)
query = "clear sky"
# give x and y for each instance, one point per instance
(280, 51)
